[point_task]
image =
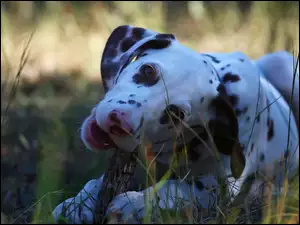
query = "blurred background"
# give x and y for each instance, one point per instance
(50, 79)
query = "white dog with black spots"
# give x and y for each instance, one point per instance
(163, 92)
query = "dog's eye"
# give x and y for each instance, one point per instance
(148, 75)
(148, 71)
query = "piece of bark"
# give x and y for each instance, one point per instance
(116, 180)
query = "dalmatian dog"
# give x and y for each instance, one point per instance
(217, 114)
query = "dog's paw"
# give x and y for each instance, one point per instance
(126, 208)
(79, 209)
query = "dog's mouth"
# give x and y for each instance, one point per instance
(97, 138)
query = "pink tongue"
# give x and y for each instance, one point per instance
(98, 138)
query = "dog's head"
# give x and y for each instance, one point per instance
(154, 88)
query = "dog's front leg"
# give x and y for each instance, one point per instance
(79, 209)
(132, 206)
(174, 195)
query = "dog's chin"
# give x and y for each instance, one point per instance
(127, 144)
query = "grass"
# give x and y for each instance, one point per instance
(48, 94)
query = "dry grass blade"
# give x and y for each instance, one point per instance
(116, 180)
(290, 111)
(23, 61)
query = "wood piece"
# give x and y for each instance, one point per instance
(117, 180)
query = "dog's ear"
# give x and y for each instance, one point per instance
(125, 43)
(225, 131)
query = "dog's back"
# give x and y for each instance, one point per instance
(282, 70)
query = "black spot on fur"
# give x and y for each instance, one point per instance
(258, 118)
(109, 69)
(262, 157)
(270, 122)
(271, 130)
(245, 110)
(221, 89)
(193, 154)
(247, 118)
(224, 127)
(164, 119)
(141, 55)
(242, 60)
(199, 185)
(214, 59)
(233, 99)
(118, 34)
(155, 44)
(268, 105)
(138, 32)
(111, 52)
(165, 36)
(223, 68)
(152, 44)
(252, 146)
(131, 101)
(138, 104)
(202, 99)
(168, 115)
(229, 77)
(121, 102)
(132, 95)
(139, 86)
(126, 44)
(238, 112)
(210, 81)
(109, 100)
(205, 62)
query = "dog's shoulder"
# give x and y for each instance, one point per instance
(241, 79)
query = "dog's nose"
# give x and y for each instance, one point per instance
(117, 123)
